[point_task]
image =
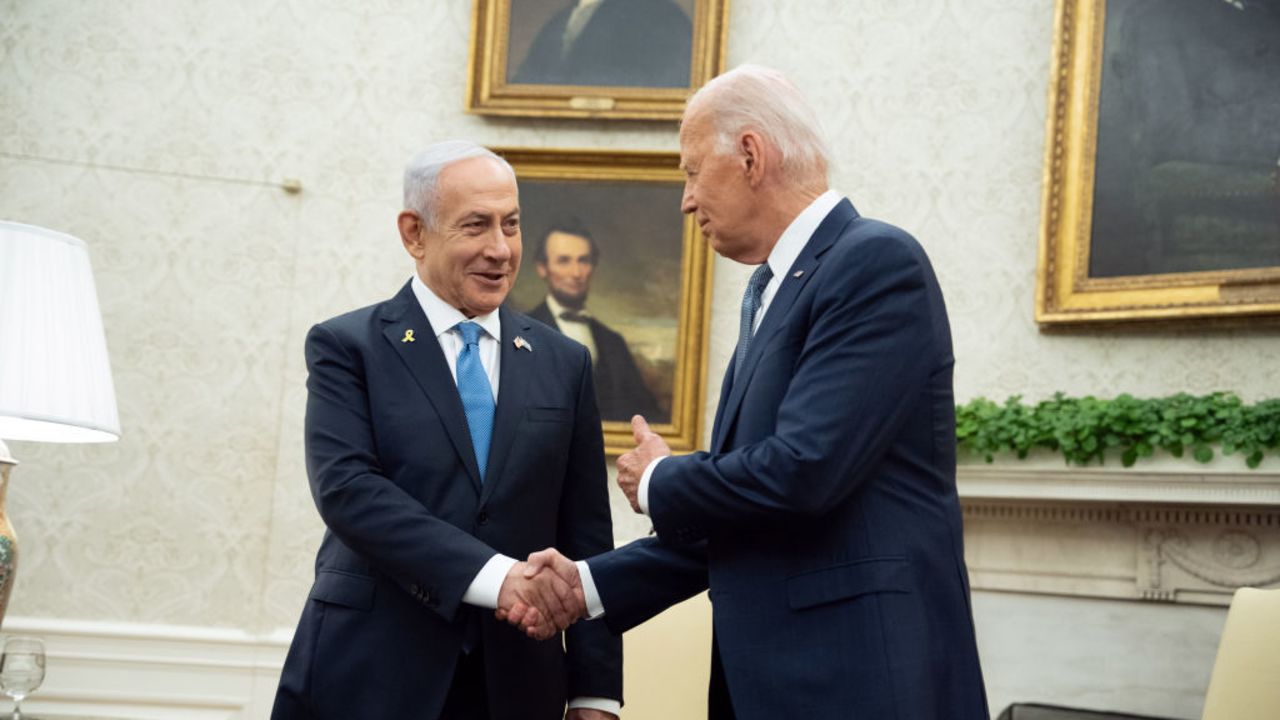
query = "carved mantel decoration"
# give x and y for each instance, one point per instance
(1177, 534)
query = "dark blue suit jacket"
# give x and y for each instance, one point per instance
(825, 518)
(410, 523)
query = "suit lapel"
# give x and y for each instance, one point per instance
(517, 367)
(426, 362)
(776, 317)
(718, 425)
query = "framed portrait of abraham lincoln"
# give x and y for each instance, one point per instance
(1162, 163)
(610, 261)
(633, 59)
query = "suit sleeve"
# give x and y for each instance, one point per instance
(641, 579)
(586, 528)
(865, 361)
(429, 557)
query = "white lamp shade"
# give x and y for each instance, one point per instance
(55, 379)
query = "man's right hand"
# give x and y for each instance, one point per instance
(631, 465)
(557, 604)
(541, 602)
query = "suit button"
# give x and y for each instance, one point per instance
(482, 518)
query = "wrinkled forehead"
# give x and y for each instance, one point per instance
(477, 183)
(695, 124)
(696, 140)
(478, 172)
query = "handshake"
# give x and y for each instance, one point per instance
(543, 595)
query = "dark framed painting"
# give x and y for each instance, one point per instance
(636, 59)
(1162, 163)
(610, 261)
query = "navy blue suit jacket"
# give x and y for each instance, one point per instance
(825, 518)
(410, 523)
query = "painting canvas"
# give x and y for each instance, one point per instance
(1162, 193)
(1188, 138)
(620, 43)
(610, 261)
(636, 59)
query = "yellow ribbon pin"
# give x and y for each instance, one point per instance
(408, 336)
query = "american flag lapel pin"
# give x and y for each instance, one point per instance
(522, 344)
(797, 273)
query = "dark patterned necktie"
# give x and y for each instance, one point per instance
(750, 306)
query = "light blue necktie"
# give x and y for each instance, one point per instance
(750, 306)
(476, 393)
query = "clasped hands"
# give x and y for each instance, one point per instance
(544, 595)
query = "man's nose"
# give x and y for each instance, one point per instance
(498, 247)
(687, 203)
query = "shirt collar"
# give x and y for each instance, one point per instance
(797, 234)
(444, 316)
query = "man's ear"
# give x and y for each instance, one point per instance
(751, 151)
(541, 267)
(410, 224)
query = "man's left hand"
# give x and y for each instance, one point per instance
(631, 465)
(589, 714)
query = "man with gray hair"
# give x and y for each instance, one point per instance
(446, 435)
(824, 518)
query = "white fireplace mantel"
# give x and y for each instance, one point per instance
(1223, 481)
(1165, 530)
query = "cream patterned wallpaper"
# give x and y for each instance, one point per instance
(156, 130)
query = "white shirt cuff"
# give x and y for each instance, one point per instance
(483, 590)
(595, 703)
(595, 606)
(642, 491)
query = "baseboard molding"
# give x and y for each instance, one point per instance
(153, 672)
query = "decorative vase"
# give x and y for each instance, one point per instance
(8, 540)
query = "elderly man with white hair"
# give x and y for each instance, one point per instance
(446, 436)
(824, 517)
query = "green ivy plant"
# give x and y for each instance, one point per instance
(1085, 428)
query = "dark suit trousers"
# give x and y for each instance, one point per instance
(467, 699)
(719, 706)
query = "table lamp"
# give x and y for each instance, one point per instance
(55, 380)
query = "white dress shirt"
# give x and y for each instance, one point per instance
(573, 329)
(487, 584)
(443, 317)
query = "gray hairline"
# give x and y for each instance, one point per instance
(422, 175)
(754, 97)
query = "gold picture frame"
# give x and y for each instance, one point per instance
(1085, 169)
(627, 60)
(650, 281)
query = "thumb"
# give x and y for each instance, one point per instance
(640, 428)
(539, 560)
